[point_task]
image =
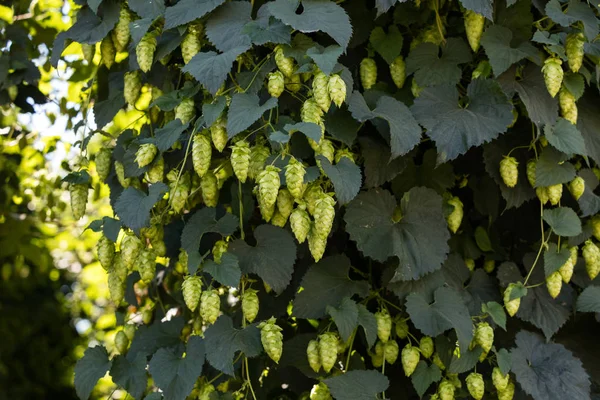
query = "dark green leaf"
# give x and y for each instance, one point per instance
(345, 176)
(326, 284)
(244, 110)
(89, 369)
(565, 137)
(589, 202)
(424, 376)
(483, 7)
(148, 8)
(496, 41)
(388, 45)
(222, 341)
(225, 26)
(431, 69)
(563, 221)
(554, 259)
(166, 136)
(105, 110)
(467, 360)
(204, 221)
(588, 123)
(317, 15)
(139, 28)
(342, 126)
(405, 133)
(325, 57)
(188, 10)
(212, 111)
(267, 30)
(577, 11)
(130, 375)
(446, 312)
(133, 206)
(551, 168)
(279, 137)
(357, 385)
(482, 239)
(419, 239)
(345, 317)
(428, 174)
(378, 172)
(575, 84)
(211, 69)
(454, 129)
(548, 370)
(272, 258)
(174, 375)
(148, 339)
(79, 177)
(496, 311)
(311, 130)
(589, 300)
(227, 272)
(369, 324)
(518, 291)
(543, 311)
(504, 360)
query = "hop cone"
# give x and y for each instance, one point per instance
(131, 246)
(79, 195)
(210, 189)
(554, 284)
(132, 87)
(577, 187)
(320, 391)
(312, 353)
(192, 290)
(218, 133)
(566, 270)
(191, 43)
(341, 153)
(89, 50)
(219, 249)
(531, 167)
(316, 244)
(116, 287)
(508, 393)
(553, 75)
(512, 306)
(258, 156)
(595, 222)
(250, 305)
(293, 83)
(147, 265)
(337, 90)
(276, 84)
(324, 215)
(368, 73)
(185, 111)
(285, 64)
(401, 329)
(268, 188)
(475, 385)
(426, 346)
(328, 350)
(327, 150)
(108, 51)
(145, 51)
(179, 192)
(398, 71)
(474, 28)
(311, 112)
(542, 194)
(568, 106)
(271, 338)
(121, 342)
(499, 380)
(483, 70)
(320, 91)
(156, 171)
(454, 219)
(285, 203)
(574, 49)
(554, 193)
(201, 153)
(484, 337)
(145, 154)
(106, 252)
(438, 361)
(410, 359)
(591, 255)
(446, 390)
(210, 306)
(294, 178)
(509, 171)
(300, 224)
(391, 351)
(384, 325)
(120, 34)
(240, 159)
(311, 195)
(119, 268)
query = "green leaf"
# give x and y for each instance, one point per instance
(430, 69)
(148, 8)
(518, 291)
(225, 26)
(267, 30)
(79, 177)
(130, 375)
(563, 221)
(496, 311)
(447, 311)
(310, 129)
(575, 84)
(419, 239)
(326, 284)
(467, 360)
(537, 365)
(552, 168)
(317, 15)
(223, 341)
(357, 385)
(429, 174)
(504, 360)
(133, 206)
(244, 110)
(212, 111)
(204, 221)
(483, 7)
(148, 339)
(345, 176)
(577, 11)
(565, 137)
(272, 258)
(166, 136)
(138, 29)
(175, 375)
(110, 227)
(496, 41)
(227, 273)
(554, 258)
(342, 126)
(589, 202)
(588, 123)
(455, 129)
(589, 300)
(378, 172)
(405, 133)
(367, 320)
(211, 69)
(384, 5)
(543, 311)
(388, 45)
(424, 376)
(345, 317)
(482, 239)
(325, 57)
(89, 369)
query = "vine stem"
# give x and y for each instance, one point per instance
(350, 349)
(247, 369)
(542, 245)
(241, 205)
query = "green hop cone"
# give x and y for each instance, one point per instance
(446, 390)
(438, 361)
(116, 287)
(568, 105)
(391, 351)
(285, 203)
(341, 153)
(146, 264)
(328, 350)
(106, 252)
(181, 265)
(132, 87)
(531, 167)
(145, 154)
(284, 64)
(508, 393)
(79, 195)
(293, 83)
(300, 224)
(258, 156)
(591, 255)
(275, 83)
(240, 159)
(103, 161)
(595, 223)
(145, 51)
(218, 134)
(219, 249)
(483, 70)
(210, 306)
(577, 187)
(312, 193)
(268, 188)
(271, 338)
(108, 51)
(129, 330)
(401, 328)
(553, 75)
(180, 192)
(121, 342)
(201, 153)
(294, 177)
(320, 91)
(410, 359)
(156, 171)
(475, 385)
(120, 34)
(185, 111)
(500, 380)
(337, 90)
(368, 73)
(205, 392)
(484, 337)
(88, 50)
(384, 325)
(250, 304)
(311, 112)
(474, 24)
(426, 346)
(312, 354)
(542, 194)
(324, 215)
(118, 267)
(470, 263)
(574, 49)
(131, 246)
(192, 290)
(512, 306)
(316, 244)
(192, 42)
(210, 189)
(554, 284)
(566, 270)
(454, 219)
(320, 391)
(398, 71)
(554, 193)
(509, 171)
(327, 150)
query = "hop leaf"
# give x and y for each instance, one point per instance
(568, 106)
(320, 91)
(275, 83)
(509, 171)
(384, 325)
(410, 359)
(218, 133)
(132, 87)
(474, 24)
(79, 195)
(574, 49)
(475, 385)
(145, 51)
(210, 306)
(185, 110)
(553, 75)
(201, 154)
(191, 43)
(426, 346)
(240, 159)
(145, 154)
(108, 51)
(192, 290)
(106, 252)
(337, 90)
(454, 219)
(368, 73)
(250, 305)
(398, 71)
(147, 265)
(328, 350)
(312, 354)
(271, 338)
(512, 306)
